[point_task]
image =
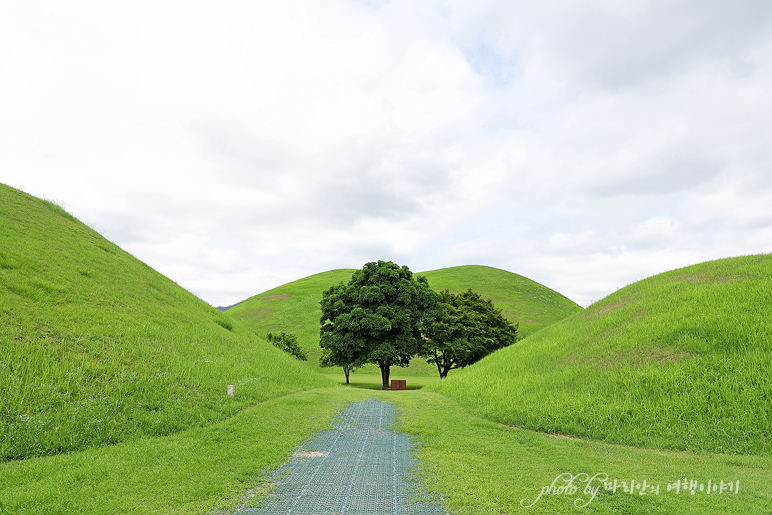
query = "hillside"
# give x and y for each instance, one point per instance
(680, 360)
(96, 347)
(521, 300)
(294, 307)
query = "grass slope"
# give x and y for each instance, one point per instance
(294, 307)
(96, 347)
(682, 360)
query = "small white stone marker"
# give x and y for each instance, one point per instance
(231, 390)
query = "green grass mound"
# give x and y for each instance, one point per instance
(682, 360)
(294, 307)
(521, 300)
(96, 347)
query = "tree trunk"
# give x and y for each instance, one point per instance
(437, 362)
(385, 369)
(444, 368)
(346, 370)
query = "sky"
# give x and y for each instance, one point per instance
(235, 146)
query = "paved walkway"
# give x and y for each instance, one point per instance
(361, 467)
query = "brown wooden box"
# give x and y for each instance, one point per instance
(398, 384)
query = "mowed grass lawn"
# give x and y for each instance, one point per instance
(374, 381)
(478, 466)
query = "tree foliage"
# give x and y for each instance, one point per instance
(343, 359)
(341, 346)
(375, 318)
(462, 329)
(287, 342)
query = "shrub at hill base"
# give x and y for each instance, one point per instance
(287, 342)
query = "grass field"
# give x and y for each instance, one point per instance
(96, 347)
(294, 307)
(682, 360)
(374, 381)
(478, 466)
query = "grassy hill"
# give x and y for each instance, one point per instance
(294, 307)
(532, 305)
(96, 347)
(681, 360)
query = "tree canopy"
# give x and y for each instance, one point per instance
(375, 318)
(462, 329)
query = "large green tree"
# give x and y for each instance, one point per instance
(375, 318)
(462, 329)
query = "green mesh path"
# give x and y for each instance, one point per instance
(361, 467)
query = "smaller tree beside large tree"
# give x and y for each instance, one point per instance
(342, 345)
(462, 329)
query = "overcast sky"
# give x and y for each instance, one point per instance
(238, 145)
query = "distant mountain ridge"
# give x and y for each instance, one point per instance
(223, 309)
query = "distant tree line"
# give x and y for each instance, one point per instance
(386, 316)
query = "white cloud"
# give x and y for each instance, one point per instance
(237, 146)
